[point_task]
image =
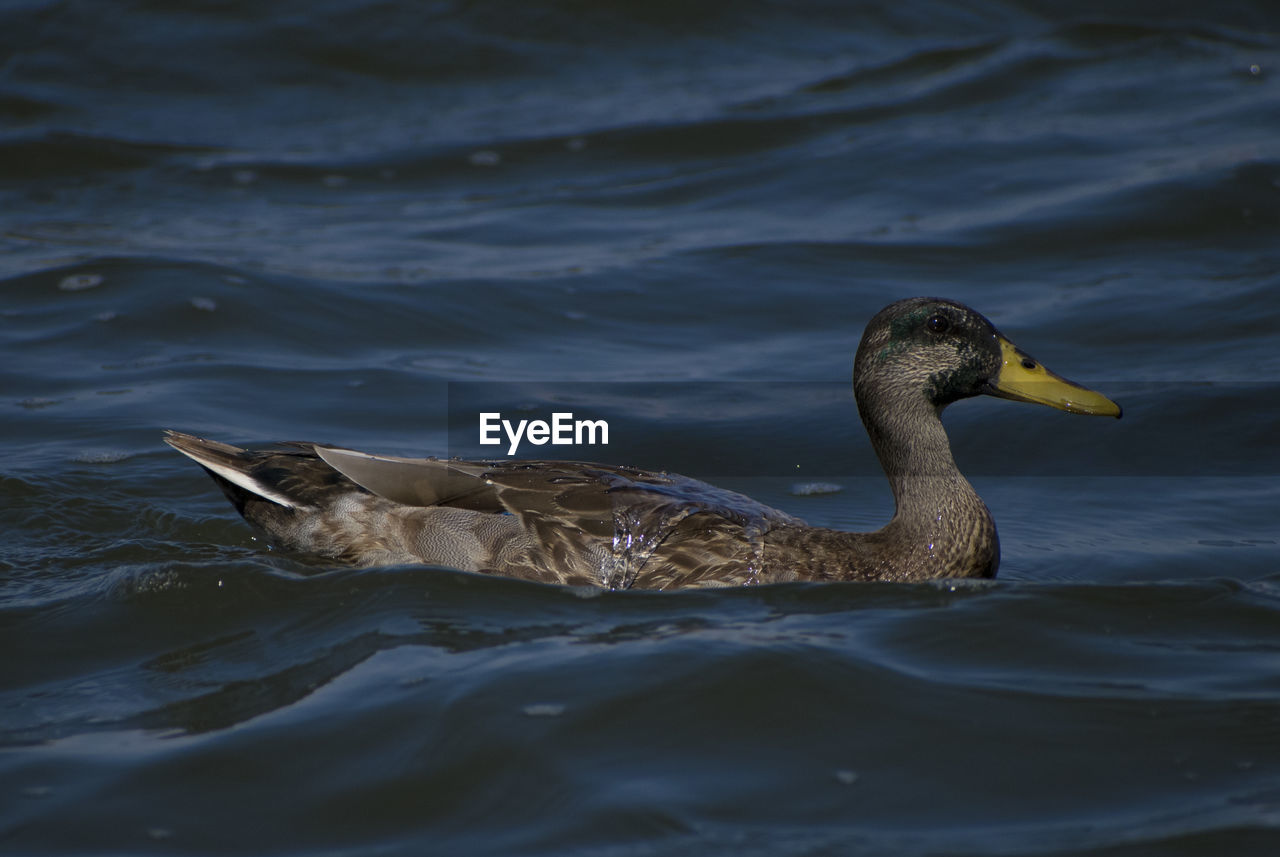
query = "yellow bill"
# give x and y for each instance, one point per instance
(1023, 379)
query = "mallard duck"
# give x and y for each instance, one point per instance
(618, 527)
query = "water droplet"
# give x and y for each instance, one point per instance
(635, 537)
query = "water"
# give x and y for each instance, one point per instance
(337, 221)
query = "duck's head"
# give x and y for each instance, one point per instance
(939, 351)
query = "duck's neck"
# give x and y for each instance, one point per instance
(937, 510)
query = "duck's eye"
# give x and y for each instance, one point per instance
(938, 323)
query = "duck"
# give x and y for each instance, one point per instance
(616, 527)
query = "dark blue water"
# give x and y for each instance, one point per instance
(345, 221)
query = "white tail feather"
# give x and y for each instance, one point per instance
(238, 477)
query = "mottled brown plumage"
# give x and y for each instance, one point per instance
(621, 528)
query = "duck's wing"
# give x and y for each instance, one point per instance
(614, 518)
(412, 481)
(569, 488)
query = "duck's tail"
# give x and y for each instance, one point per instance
(236, 470)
